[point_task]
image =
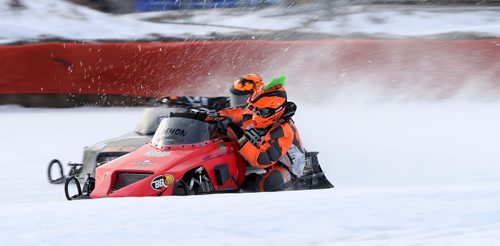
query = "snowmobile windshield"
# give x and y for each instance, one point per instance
(179, 130)
(151, 118)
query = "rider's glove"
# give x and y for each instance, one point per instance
(235, 130)
(220, 103)
(253, 135)
(212, 115)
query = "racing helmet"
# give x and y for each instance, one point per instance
(243, 87)
(268, 103)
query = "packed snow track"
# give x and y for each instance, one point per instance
(405, 173)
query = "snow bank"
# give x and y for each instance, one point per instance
(63, 20)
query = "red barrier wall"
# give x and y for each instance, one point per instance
(191, 68)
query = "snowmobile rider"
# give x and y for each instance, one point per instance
(270, 140)
(242, 89)
(232, 108)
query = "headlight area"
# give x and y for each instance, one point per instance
(124, 179)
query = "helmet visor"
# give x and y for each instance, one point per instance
(266, 112)
(237, 100)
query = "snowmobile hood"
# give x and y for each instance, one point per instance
(149, 162)
(150, 159)
(126, 142)
(103, 151)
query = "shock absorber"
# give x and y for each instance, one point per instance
(202, 183)
(88, 185)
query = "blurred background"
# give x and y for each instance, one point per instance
(128, 6)
(433, 47)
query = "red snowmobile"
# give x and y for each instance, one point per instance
(107, 150)
(188, 155)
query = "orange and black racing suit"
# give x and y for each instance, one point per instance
(241, 115)
(280, 153)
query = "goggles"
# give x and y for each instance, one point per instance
(266, 112)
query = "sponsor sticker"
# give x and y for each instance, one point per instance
(152, 153)
(224, 151)
(144, 163)
(222, 146)
(162, 181)
(176, 132)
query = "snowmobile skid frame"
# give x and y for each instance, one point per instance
(55, 163)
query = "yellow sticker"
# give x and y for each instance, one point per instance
(169, 179)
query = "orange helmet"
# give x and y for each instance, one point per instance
(268, 103)
(243, 87)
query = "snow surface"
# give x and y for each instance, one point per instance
(53, 19)
(405, 174)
